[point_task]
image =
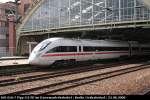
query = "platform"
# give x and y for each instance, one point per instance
(8, 61)
(13, 58)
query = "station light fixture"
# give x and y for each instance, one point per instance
(17, 2)
(18, 17)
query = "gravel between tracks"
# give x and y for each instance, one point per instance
(135, 83)
(124, 84)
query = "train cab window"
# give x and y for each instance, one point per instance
(44, 45)
(63, 49)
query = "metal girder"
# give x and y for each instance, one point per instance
(126, 24)
(26, 17)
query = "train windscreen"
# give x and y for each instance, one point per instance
(44, 45)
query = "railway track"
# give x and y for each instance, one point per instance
(20, 69)
(58, 73)
(148, 93)
(67, 84)
(23, 69)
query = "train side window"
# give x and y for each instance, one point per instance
(113, 48)
(87, 48)
(63, 49)
(135, 48)
(56, 49)
(98, 49)
(145, 48)
(71, 48)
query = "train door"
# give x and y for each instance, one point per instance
(82, 56)
(87, 53)
(79, 57)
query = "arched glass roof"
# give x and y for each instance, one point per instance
(65, 13)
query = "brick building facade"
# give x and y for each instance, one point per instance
(6, 28)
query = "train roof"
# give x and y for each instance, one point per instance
(90, 42)
(53, 39)
(105, 42)
(75, 39)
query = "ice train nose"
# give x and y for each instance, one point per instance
(32, 61)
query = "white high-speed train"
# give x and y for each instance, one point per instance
(56, 50)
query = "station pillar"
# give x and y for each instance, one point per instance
(11, 35)
(30, 46)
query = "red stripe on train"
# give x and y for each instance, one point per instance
(80, 54)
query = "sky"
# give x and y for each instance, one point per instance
(3, 1)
